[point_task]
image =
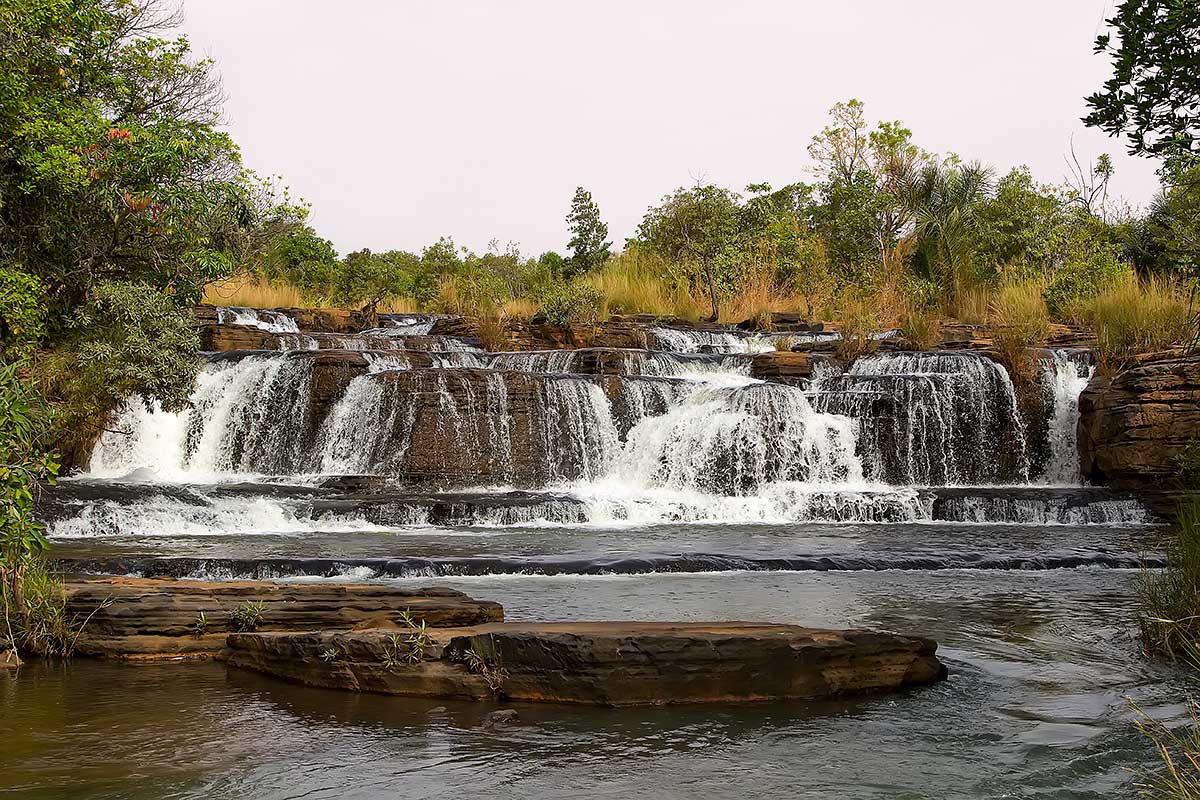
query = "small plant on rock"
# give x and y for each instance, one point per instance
(408, 649)
(247, 616)
(493, 674)
(200, 626)
(330, 654)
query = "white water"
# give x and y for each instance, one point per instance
(1065, 378)
(271, 321)
(931, 418)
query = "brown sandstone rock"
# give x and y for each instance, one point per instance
(139, 616)
(604, 663)
(781, 365)
(1134, 424)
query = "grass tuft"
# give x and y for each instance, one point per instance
(1136, 316)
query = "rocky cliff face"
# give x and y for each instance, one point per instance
(1134, 425)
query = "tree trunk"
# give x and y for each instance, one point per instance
(712, 292)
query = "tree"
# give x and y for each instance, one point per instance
(589, 248)
(841, 148)
(1154, 94)
(111, 165)
(697, 227)
(368, 279)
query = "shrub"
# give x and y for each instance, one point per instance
(1082, 278)
(1136, 316)
(577, 301)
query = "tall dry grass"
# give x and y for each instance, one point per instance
(252, 292)
(1139, 316)
(1019, 321)
(255, 292)
(634, 283)
(972, 305)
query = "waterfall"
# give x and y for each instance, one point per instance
(732, 436)
(271, 321)
(930, 418)
(247, 416)
(675, 365)
(1065, 374)
(481, 425)
(695, 341)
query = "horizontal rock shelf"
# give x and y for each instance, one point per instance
(599, 663)
(154, 617)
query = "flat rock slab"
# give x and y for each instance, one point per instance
(147, 616)
(601, 663)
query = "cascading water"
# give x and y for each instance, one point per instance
(560, 361)
(647, 436)
(271, 321)
(247, 416)
(930, 418)
(1065, 374)
(732, 437)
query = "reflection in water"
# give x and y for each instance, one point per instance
(1040, 666)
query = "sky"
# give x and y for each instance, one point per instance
(405, 120)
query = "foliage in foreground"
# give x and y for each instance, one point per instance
(1179, 751)
(1170, 601)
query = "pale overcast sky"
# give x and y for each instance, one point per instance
(405, 120)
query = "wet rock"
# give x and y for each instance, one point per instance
(604, 663)
(1135, 424)
(781, 365)
(9, 659)
(500, 719)
(142, 616)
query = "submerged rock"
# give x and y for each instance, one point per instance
(601, 663)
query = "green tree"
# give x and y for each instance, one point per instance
(111, 165)
(697, 228)
(1153, 96)
(368, 279)
(588, 244)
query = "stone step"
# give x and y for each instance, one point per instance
(148, 616)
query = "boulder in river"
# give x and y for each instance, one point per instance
(600, 663)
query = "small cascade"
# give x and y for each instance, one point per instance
(550, 361)
(678, 365)
(271, 321)
(640, 397)
(408, 324)
(475, 426)
(1044, 510)
(734, 436)
(782, 502)
(1065, 374)
(678, 340)
(930, 418)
